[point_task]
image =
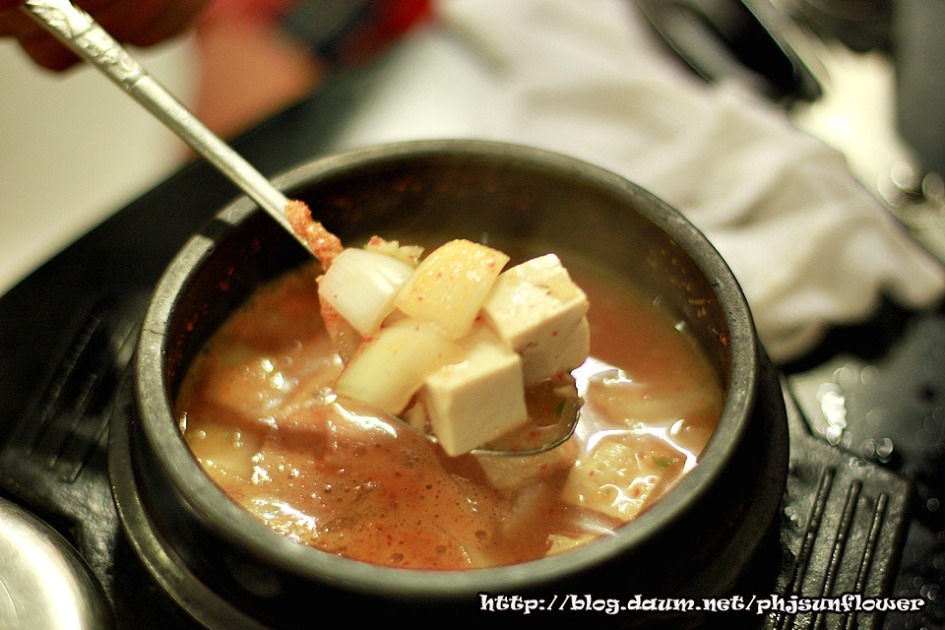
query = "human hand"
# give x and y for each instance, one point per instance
(134, 22)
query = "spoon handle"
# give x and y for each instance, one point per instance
(85, 37)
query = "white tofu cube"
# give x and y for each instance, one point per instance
(479, 399)
(540, 313)
(564, 351)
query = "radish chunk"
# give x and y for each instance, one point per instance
(408, 253)
(390, 366)
(361, 286)
(478, 399)
(540, 313)
(449, 286)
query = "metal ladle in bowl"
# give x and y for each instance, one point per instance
(79, 32)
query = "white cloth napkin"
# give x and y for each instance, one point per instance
(808, 244)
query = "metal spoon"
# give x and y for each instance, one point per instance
(78, 31)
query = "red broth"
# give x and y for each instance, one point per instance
(258, 413)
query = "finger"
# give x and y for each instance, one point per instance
(48, 53)
(174, 19)
(148, 22)
(14, 23)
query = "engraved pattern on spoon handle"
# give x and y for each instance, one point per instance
(76, 28)
(84, 36)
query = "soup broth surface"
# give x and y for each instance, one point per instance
(258, 413)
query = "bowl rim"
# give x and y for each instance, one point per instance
(239, 527)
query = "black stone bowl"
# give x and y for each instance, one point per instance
(227, 570)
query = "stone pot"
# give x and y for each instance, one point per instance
(227, 570)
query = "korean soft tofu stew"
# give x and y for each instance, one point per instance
(261, 411)
(280, 445)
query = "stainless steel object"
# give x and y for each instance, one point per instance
(44, 584)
